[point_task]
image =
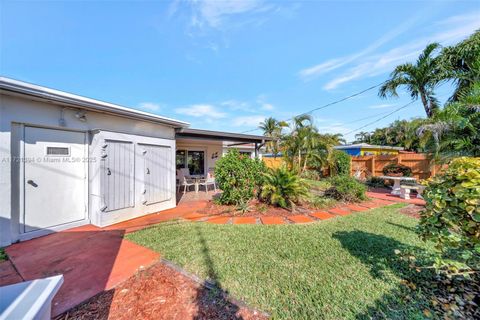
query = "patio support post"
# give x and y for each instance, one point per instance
(256, 150)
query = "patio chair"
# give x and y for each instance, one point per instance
(209, 181)
(183, 181)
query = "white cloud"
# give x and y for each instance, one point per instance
(237, 105)
(250, 121)
(213, 13)
(332, 64)
(201, 110)
(334, 128)
(386, 62)
(268, 106)
(381, 106)
(150, 106)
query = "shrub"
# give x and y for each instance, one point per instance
(452, 215)
(375, 182)
(311, 175)
(283, 188)
(346, 188)
(397, 169)
(239, 177)
(340, 163)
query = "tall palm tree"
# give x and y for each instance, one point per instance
(420, 79)
(272, 128)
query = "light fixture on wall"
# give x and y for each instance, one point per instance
(81, 115)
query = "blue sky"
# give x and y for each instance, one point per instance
(226, 65)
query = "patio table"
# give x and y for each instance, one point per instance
(197, 179)
(396, 183)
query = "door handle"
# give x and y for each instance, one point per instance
(30, 182)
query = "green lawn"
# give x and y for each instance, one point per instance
(335, 269)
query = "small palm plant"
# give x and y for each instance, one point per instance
(283, 187)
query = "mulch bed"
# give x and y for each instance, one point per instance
(257, 209)
(161, 292)
(412, 210)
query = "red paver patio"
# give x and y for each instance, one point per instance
(272, 220)
(340, 211)
(91, 260)
(195, 216)
(300, 219)
(8, 274)
(219, 220)
(386, 195)
(354, 207)
(370, 204)
(322, 215)
(244, 220)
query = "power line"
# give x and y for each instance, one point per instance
(381, 118)
(329, 104)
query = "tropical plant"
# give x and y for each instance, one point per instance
(452, 215)
(420, 79)
(272, 128)
(238, 177)
(283, 187)
(346, 188)
(341, 163)
(455, 130)
(460, 63)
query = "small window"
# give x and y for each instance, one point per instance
(58, 151)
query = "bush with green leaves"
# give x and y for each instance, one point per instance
(311, 175)
(283, 187)
(346, 188)
(239, 177)
(452, 215)
(395, 168)
(340, 163)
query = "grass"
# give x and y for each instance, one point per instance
(3, 255)
(344, 268)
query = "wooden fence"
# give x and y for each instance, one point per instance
(421, 164)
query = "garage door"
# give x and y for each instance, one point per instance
(54, 178)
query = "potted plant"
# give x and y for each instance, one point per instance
(397, 170)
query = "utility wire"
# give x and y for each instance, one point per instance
(329, 104)
(381, 118)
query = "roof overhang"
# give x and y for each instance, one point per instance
(19, 88)
(188, 133)
(366, 146)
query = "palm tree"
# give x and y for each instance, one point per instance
(272, 128)
(420, 79)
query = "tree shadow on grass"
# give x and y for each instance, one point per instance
(212, 300)
(410, 299)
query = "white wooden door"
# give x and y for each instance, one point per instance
(55, 174)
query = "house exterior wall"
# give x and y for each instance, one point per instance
(17, 111)
(213, 149)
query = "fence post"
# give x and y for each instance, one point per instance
(373, 166)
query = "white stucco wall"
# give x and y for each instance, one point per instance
(15, 110)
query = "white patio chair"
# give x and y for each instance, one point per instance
(209, 181)
(183, 181)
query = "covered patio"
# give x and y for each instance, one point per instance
(198, 150)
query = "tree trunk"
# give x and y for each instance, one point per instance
(428, 111)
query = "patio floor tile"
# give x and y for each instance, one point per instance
(219, 220)
(322, 215)
(8, 274)
(273, 220)
(370, 204)
(244, 220)
(340, 211)
(195, 216)
(300, 219)
(354, 207)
